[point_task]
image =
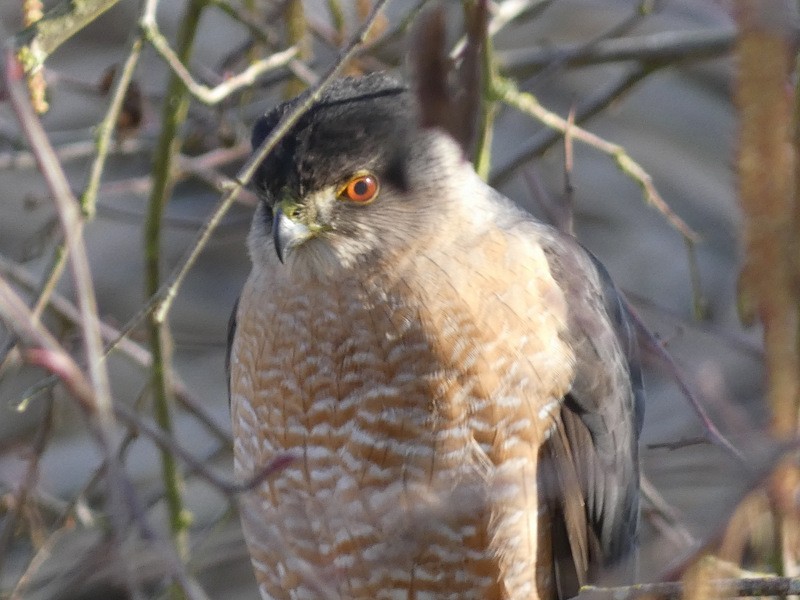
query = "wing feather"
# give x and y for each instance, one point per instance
(595, 445)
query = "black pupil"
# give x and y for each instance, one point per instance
(361, 187)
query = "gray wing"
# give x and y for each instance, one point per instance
(590, 464)
(231, 334)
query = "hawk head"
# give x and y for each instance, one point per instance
(355, 180)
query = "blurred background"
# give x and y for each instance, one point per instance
(662, 93)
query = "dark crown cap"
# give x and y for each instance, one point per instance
(359, 122)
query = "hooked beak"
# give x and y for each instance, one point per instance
(287, 233)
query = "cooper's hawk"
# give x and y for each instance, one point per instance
(452, 377)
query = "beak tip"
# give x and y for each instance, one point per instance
(287, 234)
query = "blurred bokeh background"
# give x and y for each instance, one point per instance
(675, 119)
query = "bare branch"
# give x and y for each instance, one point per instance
(662, 47)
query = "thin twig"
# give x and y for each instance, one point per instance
(631, 20)
(679, 444)
(54, 271)
(168, 444)
(504, 14)
(232, 85)
(507, 92)
(723, 588)
(666, 46)
(24, 159)
(541, 142)
(106, 128)
(199, 167)
(262, 34)
(650, 341)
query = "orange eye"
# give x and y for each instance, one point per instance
(361, 188)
